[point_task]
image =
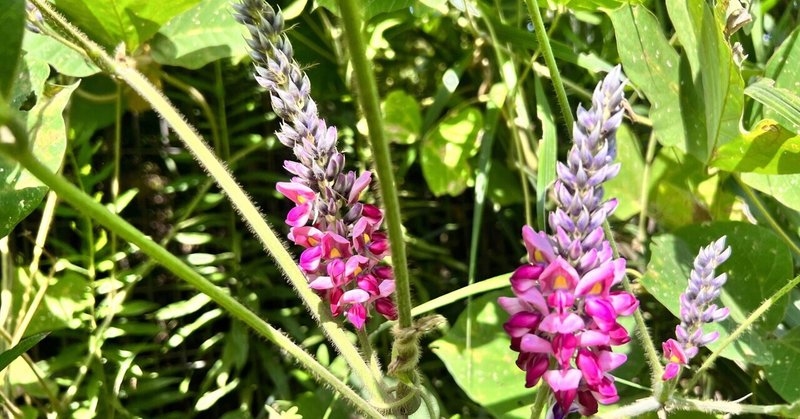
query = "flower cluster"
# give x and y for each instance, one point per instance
(697, 308)
(563, 318)
(344, 245)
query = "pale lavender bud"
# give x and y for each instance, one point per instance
(579, 186)
(697, 308)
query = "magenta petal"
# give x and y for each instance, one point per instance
(609, 361)
(606, 392)
(670, 371)
(322, 283)
(369, 284)
(524, 277)
(559, 274)
(587, 363)
(357, 315)
(386, 307)
(602, 275)
(511, 305)
(310, 258)
(535, 299)
(538, 245)
(386, 287)
(355, 296)
(602, 313)
(298, 216)
(618, 336)
(559, 380)
(562, 323)
(624, 303)
(535, 344)
(522, 323)
(299, 194)
(535, 369)
(592, 338)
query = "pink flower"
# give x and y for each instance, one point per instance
(673, 352)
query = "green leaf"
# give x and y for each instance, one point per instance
(111, 22)
(781, 187)
(201, 35)
(31, 76)
(760, 264)
(783, 101)
(20, 192)
(64, 59)
(652, 66)
(402, 117)
(782, 374)
(12, 28)
(504, 186)
(67, 297)
(594, 5)
(768, 149)
(371, 8)
(23, 346)
(713, 72)
(548, 148)
(487, 373)
(446, 150)
(784, 68)
(626, 187)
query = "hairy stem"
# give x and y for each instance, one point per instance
(541, 401)
(755, 315)
(235, 194)
(85, 204)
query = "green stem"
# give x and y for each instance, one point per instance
(637, 408)
(755, 315)
(657, 370)
(550, 60)
(733, 408)
(370, 106)
(319, 310)
(645, 190)
(70, 194)
(541, 400)
(771, 221)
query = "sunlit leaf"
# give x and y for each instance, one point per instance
(784, 68)
(64, 59)
(782, 101)
(12, 28)
(111, 22)
(626, 187)
(781, 187)
(445, 151)
(6, 357)
(402, 117)
(21, 192)
(768, 149)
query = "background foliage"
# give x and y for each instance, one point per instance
(710, 148)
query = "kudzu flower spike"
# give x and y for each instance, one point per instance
(344, 244)
(697, 308)
(563, 318)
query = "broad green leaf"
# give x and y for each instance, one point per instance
(64, 59)
(781, 187)
(782, 101)
(674, 180)
(594, 5)
(446, 150)
(782, 374)
(768, 149)
(111, 22)
(487, 373)
(784, 68)
(12, 29)
(31, 76)
(713, 72)
(666, 279)
(504, 186)
(23, 346)
(626, 187)
(21, 192)
(652, 65)
(402, 117)
(201, 35)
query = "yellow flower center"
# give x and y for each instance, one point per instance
(560, 282)
(312, 241)
(538, 256)
(674, 358)
(357, 270)
(335, 253)
(596, 289)
(301, 199)
(366, 238)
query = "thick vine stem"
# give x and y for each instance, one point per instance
(367, 90)
(85, 204)
(206, 157)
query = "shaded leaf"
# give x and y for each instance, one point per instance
(21, 192)
(12, 28)
(110, 22)
(487, 373)
(201, 35)
(371, 8)
(713, 73)
(784, 68)
(626, 187)
(782, 101)
(548, 149)
(768, 149)
(23, 346)
(402, 117)
(31, 76)
(445, 151)
(782, 374)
